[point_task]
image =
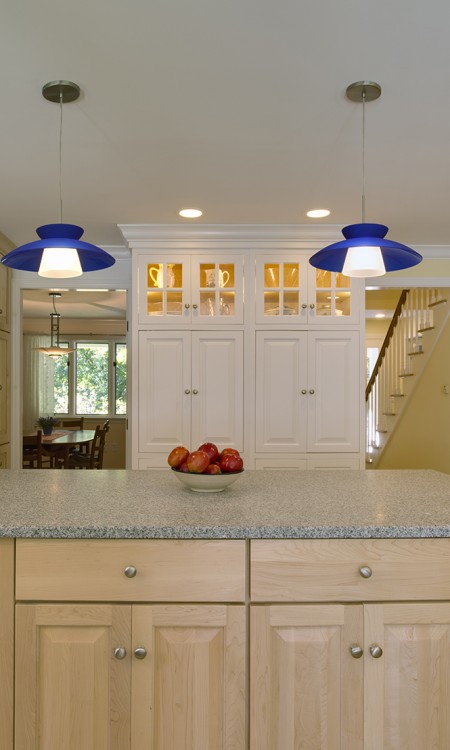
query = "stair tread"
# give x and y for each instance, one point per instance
(389, 414)
(414, 354)
(396, 395)
(406, 375)
(422, 330)
(439, 302)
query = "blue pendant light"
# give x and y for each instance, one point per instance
(365, 251)
(59, 253)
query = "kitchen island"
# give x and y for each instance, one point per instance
(295, 609)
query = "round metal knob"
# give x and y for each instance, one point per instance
(140, 652)
(312, 391)
(365, 571)
(195, 391)
(187, 306)
(312, 306)
(356, 651)
(120, 652)
(195, 307)
(304, 306)
(376, 651)
(130, 571)
(187, 391)
(304, 391)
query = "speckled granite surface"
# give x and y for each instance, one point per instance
(261, 504)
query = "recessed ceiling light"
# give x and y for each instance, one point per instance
(380, 315)
(190, 213)
(318, 213)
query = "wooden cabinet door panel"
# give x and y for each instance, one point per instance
(189, 691)
(407, 689)
(71, 692)
(217, 389)
(281, 405)
(4, 387)
(6, 643)
(306, 689)
(164, 376)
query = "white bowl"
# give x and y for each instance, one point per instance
(207, 482)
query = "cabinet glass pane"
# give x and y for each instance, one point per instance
(291, 306)
(342, 282)
(343, 303)
(214, 275)
(323, 279)
(226, 275)
(174, 303)
(154, 303)
(323, 303)
(207, 275)
(164, 275)
(207, 303)
(271, 275)
(291, 276)
(271, 303)
(226, 303)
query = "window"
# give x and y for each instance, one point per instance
(92, 380)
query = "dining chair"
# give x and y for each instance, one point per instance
(34, 456)
(72, 423)
(93, 459)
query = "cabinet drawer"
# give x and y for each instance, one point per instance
(334, 569)
(166, 570)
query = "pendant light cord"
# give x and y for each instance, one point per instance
(363, 197)
(60, 158)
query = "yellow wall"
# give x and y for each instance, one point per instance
(114, 456)
(422, 438)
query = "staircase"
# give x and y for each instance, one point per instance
(414, 330)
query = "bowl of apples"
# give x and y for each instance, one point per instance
(206, 469)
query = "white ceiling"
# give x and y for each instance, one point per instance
(75, 304)
(236, 106)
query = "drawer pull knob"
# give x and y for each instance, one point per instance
(304, 306)
(376, 651)
(195, 391)
(140, 652)
(312, 391)
(356, 651)
(194, 307)
(312, 306)
(304, 391)
(130, 571)
(187, 391)
(365, 571)
(187, 306)
(120, 652)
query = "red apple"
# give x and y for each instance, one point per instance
(230, 462)
(213, 469)
(212, 451)
(197, 462)
(177, 456)
(230, 452)
(184, 468)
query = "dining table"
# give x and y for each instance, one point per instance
(64, 440)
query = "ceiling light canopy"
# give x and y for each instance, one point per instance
(365, 251)
(59, 253)
(54, 350)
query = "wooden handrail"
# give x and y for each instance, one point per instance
(387, 338)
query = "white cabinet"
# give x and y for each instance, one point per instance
(4, 386)
(4, 296)
(290, 291)
(181, 290)
(190, 390)
(307, 391)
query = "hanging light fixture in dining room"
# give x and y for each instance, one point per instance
(365, 251)
(54, 350)
(59, 253)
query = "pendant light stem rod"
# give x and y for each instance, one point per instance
(60, 154)
(363, 197)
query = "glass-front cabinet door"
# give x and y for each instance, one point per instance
(180, 289)
(290, 291)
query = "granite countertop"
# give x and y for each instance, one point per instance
(261, 504)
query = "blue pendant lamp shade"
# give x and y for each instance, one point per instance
(365, 251)
(365, 242)
(62, 238)
(59, 253)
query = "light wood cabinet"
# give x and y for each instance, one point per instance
(6, 643)
(5, 275)
(190, 390)
(5, 456)
(305, 392)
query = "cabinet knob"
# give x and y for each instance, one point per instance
(120, 652)
(195, 391)
(194, 307)
(356, 651)
(312, 391)
(304, 306)
(187, 306)
(365, 571)
(376, 651)
(312, 306)
(304, 391)
(130, 571)
(187, 391)
(140, 652)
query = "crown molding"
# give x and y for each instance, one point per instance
(135, 233)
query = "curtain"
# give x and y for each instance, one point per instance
(38, 381)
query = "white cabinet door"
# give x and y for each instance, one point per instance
(217, 388)
(4, 387)
(217, 289)
(281, 391)
(164, 376)
(4, 297)
(334, 405)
